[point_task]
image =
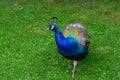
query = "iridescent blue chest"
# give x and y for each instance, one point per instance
(68, 46)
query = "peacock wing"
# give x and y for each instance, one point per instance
(77, 31)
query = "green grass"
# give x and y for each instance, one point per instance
(28, 51)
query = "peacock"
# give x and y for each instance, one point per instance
(72, 43)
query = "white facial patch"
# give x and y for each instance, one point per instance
(52, 27)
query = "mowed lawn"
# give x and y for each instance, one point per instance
(28, 51)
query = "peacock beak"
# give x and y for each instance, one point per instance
(48, 28)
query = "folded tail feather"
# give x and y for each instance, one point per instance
(77, 30)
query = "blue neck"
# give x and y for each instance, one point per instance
(58, 36)
(57, 30)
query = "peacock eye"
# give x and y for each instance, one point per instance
(52, 27)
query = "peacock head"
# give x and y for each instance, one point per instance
(52, 27)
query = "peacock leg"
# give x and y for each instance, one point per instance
(70, 64)
(74, 67)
